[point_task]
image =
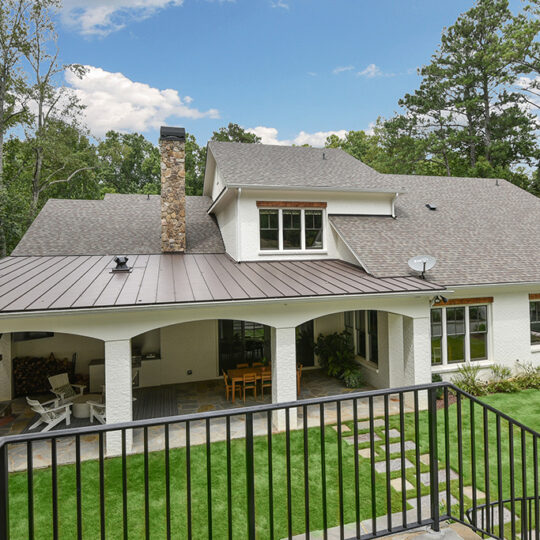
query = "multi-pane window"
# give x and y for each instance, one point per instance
(365, 335)
(459, 334)
(313, 229)
(269, 229)
(535, 323)
(291, 229)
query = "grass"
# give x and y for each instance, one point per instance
(524, 406)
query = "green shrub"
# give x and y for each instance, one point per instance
(468, 380)
(528, 376)
(436, 377)
(502, 381)
(501, 372)
(336, 356)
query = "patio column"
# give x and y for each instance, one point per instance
(5, 368)
(284, 372)
(417, 354)
(118, 392)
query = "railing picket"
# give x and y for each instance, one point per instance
(188, 481)
(167, 483)
(418, 486)
(209, 478)
(372, 458)
(402, 457)
(250, 477)
(229, 478)
(270, 475)
(306, 471)
(340, 472)
(472, 424)
(356, 469)
(459, 414)
(536, 489)
(486, 467)
(499, 476)
(512, 478)
(433, 458)
(125, 524)
(524, 513)
(4, 492)
(447, 450)
(288, 467)
(323, 471)
(101, 486)
(387, 462)
(54, 487)
(78, 485)
(146, 487)
(30, 488)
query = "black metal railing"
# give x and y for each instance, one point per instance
(359, 465)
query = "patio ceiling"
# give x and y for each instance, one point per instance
(71, 282)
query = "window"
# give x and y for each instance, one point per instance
(535, 323)
(291, 229)
(459, 334)
(365, 335)
(269, 229)
(313, 231)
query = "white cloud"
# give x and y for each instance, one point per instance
(269, 135)
(113, 101)
(341, 69)
(279, 4)
(101, 17)
(371, 72)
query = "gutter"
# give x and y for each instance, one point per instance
(196, 305)
(289, 187)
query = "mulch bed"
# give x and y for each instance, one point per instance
(452, 398)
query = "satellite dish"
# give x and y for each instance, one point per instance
(422, 263)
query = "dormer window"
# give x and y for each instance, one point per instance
(291, 226)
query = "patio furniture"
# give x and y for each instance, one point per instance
(230, 388)
(266, 381)
(63, 389)
(243, 365)
(81, 407)
(257, 364)
(250, 383)
(49, 415)
(298, 377)
(236, 375)
(97, 411)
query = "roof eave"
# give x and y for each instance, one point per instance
(314, 188)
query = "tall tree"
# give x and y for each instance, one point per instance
(235, 133)
(195, 165)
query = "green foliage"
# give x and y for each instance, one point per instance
(235, 133)
(528, 376)
(436, 377)
(502, 381)
(336, 356)
(469, 381)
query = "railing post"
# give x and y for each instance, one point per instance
(250, 476)
(4, 492)
(433, 458)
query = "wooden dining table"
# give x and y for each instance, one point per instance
(237, 375)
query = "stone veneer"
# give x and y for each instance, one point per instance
(173, 195)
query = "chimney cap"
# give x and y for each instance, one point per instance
(172, 133)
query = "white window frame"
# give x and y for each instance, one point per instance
(444, 365)
(365, 360)
(302, 248)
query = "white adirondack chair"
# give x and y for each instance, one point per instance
(50, 413)
(63, 389)
(97, 411)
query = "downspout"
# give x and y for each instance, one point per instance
(238, 228)
(394, 205)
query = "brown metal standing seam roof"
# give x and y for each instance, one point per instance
(87, 281)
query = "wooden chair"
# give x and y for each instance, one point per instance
(298, 377)
(266, 381)
(257, 364)
(50, 413)
(238, 366)
(229, 386)
(97, 411)
(63, 389)
(250, 383)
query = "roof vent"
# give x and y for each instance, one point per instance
(121, 264)
(432, 207)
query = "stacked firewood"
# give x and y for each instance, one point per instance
(31, 374)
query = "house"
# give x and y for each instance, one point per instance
(284, 242)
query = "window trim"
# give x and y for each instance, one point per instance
(302, 249)
(532, 300)
(445, 365)
(354, 336)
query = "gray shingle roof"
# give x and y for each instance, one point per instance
(116, 225)
(293, 166)
(480, 232)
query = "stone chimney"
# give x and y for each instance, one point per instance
(172, 143)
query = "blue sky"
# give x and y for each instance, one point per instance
(283, 67)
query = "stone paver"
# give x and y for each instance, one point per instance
(396, 447)
(424, 477)
(362, 438)
(395, 465)
(468, 492)
(425, 501)
(424, 458)
(344, 428)
(378, 422)
(365, 453)
(397, 485)
(393, 433)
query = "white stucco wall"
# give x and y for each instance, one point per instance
(228, 224)
(337, 203)
(189, 346)
(62, 346)
(5, 367)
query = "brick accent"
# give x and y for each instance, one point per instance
(534, 296)
(173, 195)
(466, 301)
(290, 204)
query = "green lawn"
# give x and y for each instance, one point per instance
(524, 406)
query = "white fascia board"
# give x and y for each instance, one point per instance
(314, 188)
(218, 200)
(209, 171)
